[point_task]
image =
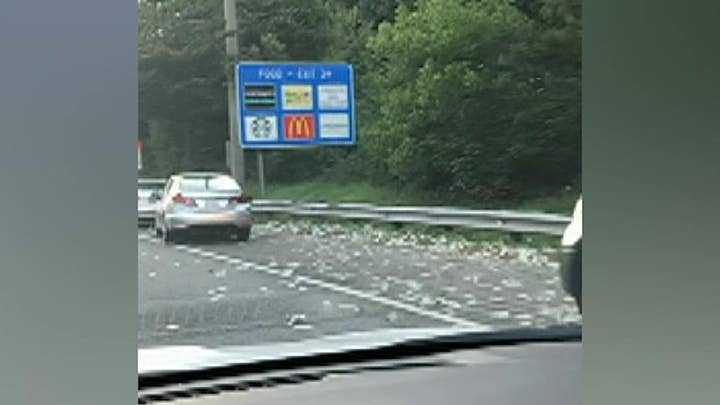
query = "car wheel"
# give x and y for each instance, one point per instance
(178, 237)
(243, 234)
(157, 229)
(168, 235)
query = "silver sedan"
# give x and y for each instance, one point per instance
(203, 203)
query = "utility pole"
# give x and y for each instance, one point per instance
(235, 151)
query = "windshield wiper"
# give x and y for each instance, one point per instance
(392, 351)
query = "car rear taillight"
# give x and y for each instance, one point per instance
(180, 199)
(244, 198)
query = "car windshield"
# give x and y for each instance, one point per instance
(381, 168)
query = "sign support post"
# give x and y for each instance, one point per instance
(261, 172)
(235, 152)
(139, 146)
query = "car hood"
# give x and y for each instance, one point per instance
(172, 359)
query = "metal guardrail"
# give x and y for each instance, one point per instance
(494, 220)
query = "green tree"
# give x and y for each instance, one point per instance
(478, 101)
(183, 67)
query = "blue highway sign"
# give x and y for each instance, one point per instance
(295, 105)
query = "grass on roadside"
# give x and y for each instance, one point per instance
(316, 191)
(557, 204)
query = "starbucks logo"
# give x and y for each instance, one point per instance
(261, 128)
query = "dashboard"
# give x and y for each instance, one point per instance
(536, 373)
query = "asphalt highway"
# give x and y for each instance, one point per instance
(295, 281)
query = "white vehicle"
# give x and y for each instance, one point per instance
(149, 195)
(203, 203)
(572, 256)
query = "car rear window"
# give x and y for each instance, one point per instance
(204, 184)
(145, 189)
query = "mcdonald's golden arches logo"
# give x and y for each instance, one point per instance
(299, 127)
